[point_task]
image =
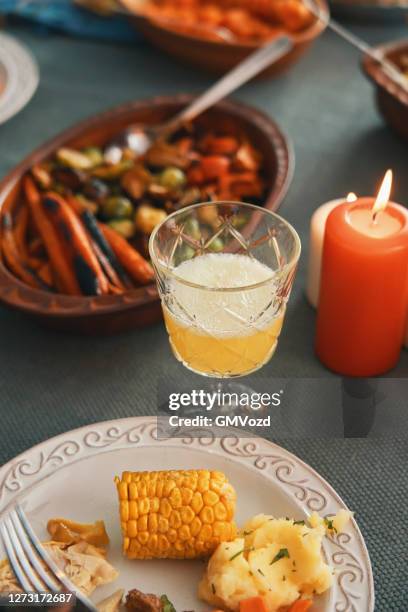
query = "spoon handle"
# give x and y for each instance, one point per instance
(239, 75)
(389, 68)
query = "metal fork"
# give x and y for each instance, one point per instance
(33, 567)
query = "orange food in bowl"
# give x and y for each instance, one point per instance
(244, 20)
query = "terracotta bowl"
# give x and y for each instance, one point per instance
(392, 100)
(219, 56)
(140, 306)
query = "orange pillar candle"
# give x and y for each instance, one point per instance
(364, 286)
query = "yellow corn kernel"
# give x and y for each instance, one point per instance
(207, 515)
(152, 524)
(197, 502)
(179, 514)
(210, 498)
(144, 505)
(132, 510)
(187, 515)
(132, 529)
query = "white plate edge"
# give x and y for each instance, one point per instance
(21, 84)
(43, 459)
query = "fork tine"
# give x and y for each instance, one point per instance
(51, 563)
(33, 557)
(37, 584)
(18, 571)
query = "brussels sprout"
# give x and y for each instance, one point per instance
(95, 189)
(216, 245)
(124, 227)
(208, 214)
(94, 154)
(110, 173)
(188, 252)
(117, 207)
(172, 178)
(73, 159)
(147, 217)
(192, 228)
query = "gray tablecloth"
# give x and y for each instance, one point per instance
(51, 382)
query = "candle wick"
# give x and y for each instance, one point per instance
(375, 217)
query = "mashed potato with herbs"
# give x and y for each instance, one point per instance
(278, 559)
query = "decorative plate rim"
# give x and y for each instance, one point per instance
(23, 77)
(347, 552)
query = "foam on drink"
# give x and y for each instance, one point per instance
(221, 332)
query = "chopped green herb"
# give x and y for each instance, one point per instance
(167, 606)
(213, 588)
(299, 522)
(329, 525)
(261, 572)
(283, 553)
(247, 533)
(240, 552)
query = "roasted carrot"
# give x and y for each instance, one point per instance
(253, 604)
(45, 273)
(35, 263)
(136, 266)
(101, 248)
(302, 605)
(115, 290)
(59, 259)
(99, 239)
(11, 254)
(214, 166)
(107, 268)
(20, 230)
(35, 246)
(195, 175)
(220, 145)
(74, 204)
(75, 236)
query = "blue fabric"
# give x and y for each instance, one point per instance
(63, 15)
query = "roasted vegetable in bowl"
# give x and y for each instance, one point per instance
(231, 20)
(82, 225)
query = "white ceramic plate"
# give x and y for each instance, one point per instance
(19, 76)
(71, 475)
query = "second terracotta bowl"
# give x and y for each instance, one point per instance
(219, 56)
(392, 100)
(141, 306)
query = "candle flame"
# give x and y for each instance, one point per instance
(383, 195)
(351, 198)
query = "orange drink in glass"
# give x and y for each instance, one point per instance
(224, 285)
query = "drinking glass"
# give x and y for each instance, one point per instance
(224, 272)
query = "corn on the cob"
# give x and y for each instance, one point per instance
(175, 514)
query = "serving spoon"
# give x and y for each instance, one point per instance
(389, 68)
(139, 138)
